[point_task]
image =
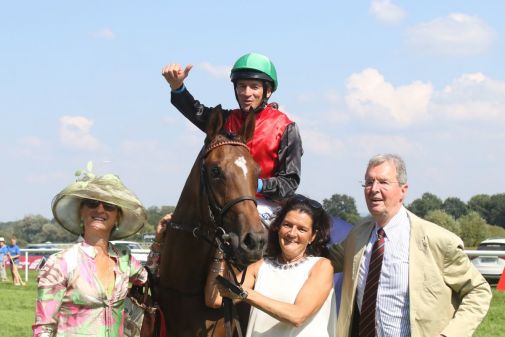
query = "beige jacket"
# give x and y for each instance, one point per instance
(447, 294)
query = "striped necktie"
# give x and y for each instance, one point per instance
(367, 315)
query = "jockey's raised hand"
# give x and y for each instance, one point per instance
(175, 75)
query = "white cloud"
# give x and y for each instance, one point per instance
(386, 11)
(105, 33)
(75, 132)
(328, 105)
(456, 34)
(216, 71)
(321, 144)
(472, 97)
(372, 144)
(369, 96)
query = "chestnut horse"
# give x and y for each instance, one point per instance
(218, 197)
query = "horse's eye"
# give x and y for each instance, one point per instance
(215, 172)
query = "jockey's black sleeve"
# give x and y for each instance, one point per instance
(192, 109)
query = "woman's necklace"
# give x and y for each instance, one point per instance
(280, 263)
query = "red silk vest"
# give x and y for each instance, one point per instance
(264, 146)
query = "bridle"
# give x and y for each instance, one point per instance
(216, 212)
(217, 235)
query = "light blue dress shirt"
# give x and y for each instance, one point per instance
(392, 311)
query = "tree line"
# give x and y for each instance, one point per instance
(482, 217)
(38, 229)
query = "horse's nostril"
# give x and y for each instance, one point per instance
(249, 241)
(253, 241)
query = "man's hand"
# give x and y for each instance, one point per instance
(175, 75)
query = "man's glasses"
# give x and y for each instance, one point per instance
(303, 199)
(383, 184)
(92, 203)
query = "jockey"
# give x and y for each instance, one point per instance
(276, 144)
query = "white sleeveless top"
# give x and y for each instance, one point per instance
(283, 284)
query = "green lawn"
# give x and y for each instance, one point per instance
(494, 323)
(17, 311)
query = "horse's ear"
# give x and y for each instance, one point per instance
(215, 122)
(247, 130)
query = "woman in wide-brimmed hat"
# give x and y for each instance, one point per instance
(81, 290)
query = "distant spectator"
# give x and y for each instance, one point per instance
(13, 250)
(13, 257)
(3, 252)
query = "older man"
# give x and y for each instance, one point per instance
(404, 276)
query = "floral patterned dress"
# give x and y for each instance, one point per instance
(71, 300)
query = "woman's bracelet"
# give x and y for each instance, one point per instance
(217, 270)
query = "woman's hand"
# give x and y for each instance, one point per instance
(239, 295)
(161, 227)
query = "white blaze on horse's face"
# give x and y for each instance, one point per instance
(240, 162)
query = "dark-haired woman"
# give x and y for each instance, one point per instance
(291, 289)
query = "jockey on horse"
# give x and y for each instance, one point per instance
(276, 144)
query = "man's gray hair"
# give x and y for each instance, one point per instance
(401, 170)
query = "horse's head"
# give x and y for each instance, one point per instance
(230, 177)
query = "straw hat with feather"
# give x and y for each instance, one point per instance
(107, 188)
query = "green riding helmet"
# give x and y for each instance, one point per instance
(254, 66)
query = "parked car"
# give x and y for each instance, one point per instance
(491, 267)
(136, 249)
(148, 237)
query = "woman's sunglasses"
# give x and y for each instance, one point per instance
(92, 203)
(311, 202)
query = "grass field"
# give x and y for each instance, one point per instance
(17, 311)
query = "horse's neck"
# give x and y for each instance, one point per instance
(185, 258)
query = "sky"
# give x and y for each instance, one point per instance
(81, 81)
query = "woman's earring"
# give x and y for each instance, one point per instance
(116, 227)
(81, 223)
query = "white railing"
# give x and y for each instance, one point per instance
(141, 254)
